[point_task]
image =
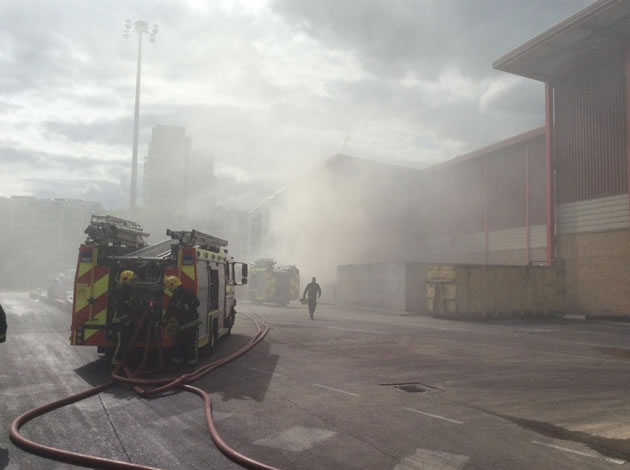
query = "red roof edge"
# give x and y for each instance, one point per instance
(580, 17)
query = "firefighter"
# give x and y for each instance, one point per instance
(183, 305)
(314, 292)
(124, 316)
(3, 325)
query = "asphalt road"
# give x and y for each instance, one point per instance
(352, 389)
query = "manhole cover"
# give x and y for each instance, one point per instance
(411, 389)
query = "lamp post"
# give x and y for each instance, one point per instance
(141, 28)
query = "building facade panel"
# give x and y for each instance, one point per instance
(589, 132)
(593, 215)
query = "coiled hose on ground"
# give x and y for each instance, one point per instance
(147, 388)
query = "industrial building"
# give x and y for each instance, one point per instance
(554, 195)
(584, 63)
(485, 207)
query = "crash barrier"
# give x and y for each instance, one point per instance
(494, 291)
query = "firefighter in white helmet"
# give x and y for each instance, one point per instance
(183, 306)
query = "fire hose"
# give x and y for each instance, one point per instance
(147, 388)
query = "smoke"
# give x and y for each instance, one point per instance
(346, 211)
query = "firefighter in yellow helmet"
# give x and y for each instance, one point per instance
(124, 318)
(183, 306)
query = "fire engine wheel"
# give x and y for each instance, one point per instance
(230, 322)
(212, 341)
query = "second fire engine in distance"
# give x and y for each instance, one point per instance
(273, 283)
(115, 246)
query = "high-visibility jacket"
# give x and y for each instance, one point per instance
(183, 305)
(3, 326)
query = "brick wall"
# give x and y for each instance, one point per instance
(597, 272)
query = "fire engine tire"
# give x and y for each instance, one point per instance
(230, 323)
(212, 340)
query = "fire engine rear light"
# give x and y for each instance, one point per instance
(79, 335)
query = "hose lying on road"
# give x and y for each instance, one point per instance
(147, 388)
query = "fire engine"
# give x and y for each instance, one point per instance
(114, 245)
(273, 283)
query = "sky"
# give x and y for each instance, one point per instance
(268, 88)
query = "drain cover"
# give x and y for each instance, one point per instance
(411, 388)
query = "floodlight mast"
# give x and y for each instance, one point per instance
(141, 28)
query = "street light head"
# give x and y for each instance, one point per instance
(141, 26)
(126, 35)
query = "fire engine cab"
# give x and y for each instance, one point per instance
(114, 245)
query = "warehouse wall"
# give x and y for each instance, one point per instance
(377, 285)
(394, 287)
(592, 211)
(593, 241)
(597, 272)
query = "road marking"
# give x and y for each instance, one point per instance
(296, 439)
(565, 449)
(336, 390)
(311, 325)
(427, 459)
(577, 452)
(354, 330)
(433, 416)
(266, 372)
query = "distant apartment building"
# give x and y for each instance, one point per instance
(180, 191)
(176, 178)
(40, 237)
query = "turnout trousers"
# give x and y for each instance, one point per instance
(186, 346)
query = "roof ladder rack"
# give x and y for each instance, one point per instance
(195, 237)
(108, 230)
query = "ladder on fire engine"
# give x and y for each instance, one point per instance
(195, 237)
(159, 251)
(113, 231)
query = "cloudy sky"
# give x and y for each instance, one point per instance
(269, 88)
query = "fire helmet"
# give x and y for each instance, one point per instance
(172, 282)
(127, 277)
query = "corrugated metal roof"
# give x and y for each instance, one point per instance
(603, 26)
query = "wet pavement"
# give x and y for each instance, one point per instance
(351, 389)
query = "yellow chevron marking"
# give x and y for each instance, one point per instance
(98, 319)
(88, 333)
(83, 268)
(189, 271)
(82, 293)
(100, 287)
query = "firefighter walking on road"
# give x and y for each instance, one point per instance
(314, 292)
(183, 306)
(125, 314)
